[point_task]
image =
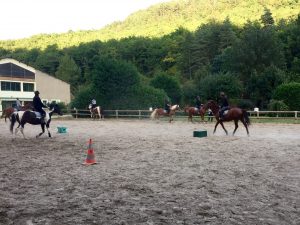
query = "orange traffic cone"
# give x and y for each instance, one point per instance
(90, 158)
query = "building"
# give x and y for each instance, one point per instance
(20, 81)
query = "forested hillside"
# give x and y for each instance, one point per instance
(162, 19)
(257, 63)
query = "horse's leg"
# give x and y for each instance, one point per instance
(223, 127)
(217, 123)
(43, 129)
(98, 109)
(236, 126)
(246, 126)
(22, 130)
(47, 126)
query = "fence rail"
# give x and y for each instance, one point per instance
(142, 114)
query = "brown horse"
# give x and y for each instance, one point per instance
(157, 113)
(10, 110)
(193, 111)
(234, 114)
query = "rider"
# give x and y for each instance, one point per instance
(224, 105)
(94, 103)
(38, 105)
(18, 105)
(167, 106)
(198, 102)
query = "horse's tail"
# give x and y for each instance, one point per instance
(153, 114)
(246, 117)
(14, 118)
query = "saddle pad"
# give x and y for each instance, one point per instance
(225, 112)
(37, 114)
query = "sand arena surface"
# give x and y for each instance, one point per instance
(150, 173)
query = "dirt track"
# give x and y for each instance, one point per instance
(150, 173)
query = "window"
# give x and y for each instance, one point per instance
(28, 87)
(10, 86)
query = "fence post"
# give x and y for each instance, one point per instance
(76, 114)
(296, 116)
(139, 114)
(117, 114)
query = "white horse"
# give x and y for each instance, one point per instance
(95, 112)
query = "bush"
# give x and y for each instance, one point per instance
(245, 104)
(289, 93)
(277, 105)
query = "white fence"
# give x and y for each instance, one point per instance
(143, 114)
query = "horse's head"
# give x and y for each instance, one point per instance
(55, 109)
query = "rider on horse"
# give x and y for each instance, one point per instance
(93, 103)
(167, 106)
(18, 105)
(198, 103)
(224, 105)
(38, 105)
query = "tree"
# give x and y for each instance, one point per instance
(169, 84)
(267, 18)
(289, 93)
(210, 86)
(68, 71)
(112, 79)
(262, 85)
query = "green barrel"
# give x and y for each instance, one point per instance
(200, 133)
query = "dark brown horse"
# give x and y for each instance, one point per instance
(234, 114)
(193, 111)
(9, 111)
(157, 113)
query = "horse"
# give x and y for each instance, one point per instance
(10, 110)
(34, 118)
(193, 111)
(162, 112)
(96, 112)
(234, 114)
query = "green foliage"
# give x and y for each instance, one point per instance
(189, 91)
(69, 72)
(210, 86)
(112, 79)
(169, 84)
(262, 85)
(267, 18)
(289, 93)
(277, 105)
(83, 98)
(163, 19)
(245, 104)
